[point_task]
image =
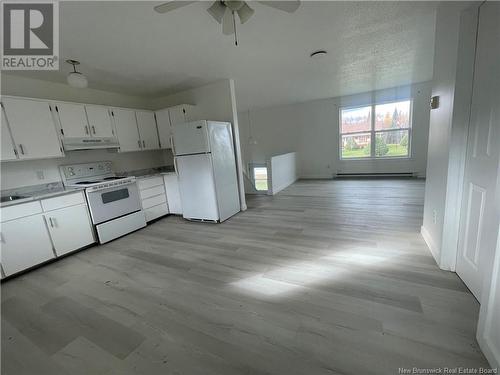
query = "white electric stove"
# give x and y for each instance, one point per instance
(114, 202)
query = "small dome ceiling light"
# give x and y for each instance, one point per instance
(318, 54)
(75, 78)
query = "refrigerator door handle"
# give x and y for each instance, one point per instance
(172, 144)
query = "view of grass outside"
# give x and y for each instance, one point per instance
(260, 178)
(390, 127)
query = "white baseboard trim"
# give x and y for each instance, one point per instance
(313, 177)
(430, 243)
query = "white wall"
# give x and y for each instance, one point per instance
(24, 173)
(283, 171)
(16, 174)
(311, 129)
(446, 122)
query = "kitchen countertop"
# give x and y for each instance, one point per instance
(35, 195)
(156, 174)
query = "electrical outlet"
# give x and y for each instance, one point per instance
(40, 175)
(434, 216)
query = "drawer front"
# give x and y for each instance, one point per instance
(153, 201)
(156, 212)
(63, 201)
(151, 192)
(20, 210)
(150, 182)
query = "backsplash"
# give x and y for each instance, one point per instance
(16, 174)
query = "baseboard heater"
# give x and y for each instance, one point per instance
(381, 174)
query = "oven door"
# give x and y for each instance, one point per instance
(113, 202)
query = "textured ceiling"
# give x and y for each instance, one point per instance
(127, 47)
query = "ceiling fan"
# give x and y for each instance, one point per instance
(225, 11)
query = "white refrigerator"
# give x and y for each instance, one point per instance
(206, 166)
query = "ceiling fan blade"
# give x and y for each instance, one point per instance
(228, 23)
(245, 12)
(171, 5)
(287, 6)
(217, 10)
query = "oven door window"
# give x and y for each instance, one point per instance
(115, 195)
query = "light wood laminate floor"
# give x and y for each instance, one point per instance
(327, 277)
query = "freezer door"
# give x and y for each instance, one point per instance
(190, 138)
(197, 187)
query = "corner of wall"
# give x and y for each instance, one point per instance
(433, 248)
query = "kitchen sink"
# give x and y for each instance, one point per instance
(11, 198)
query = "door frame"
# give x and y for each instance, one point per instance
(462, 101)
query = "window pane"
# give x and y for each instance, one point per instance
(356, 146)
(356, 119)
(260, 178)
(391, 143)
(392, 115)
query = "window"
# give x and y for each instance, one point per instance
(385, 134)
(259, 176)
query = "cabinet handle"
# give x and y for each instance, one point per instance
(139, 143)
(175, 165)
(144, 144)
(21, 147)
(86, 129)
(93, 129)
(2, 240)
(51, 222)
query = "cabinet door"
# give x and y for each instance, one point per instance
(126, 130)
(8, 150)
(70, 228)
(147, 130)
(164, 128)
(20, 250)
(73, 120)
(177, 114)
(33, 128)
(99, 118)
(173, 194)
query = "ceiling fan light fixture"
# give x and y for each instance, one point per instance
(318, 54)
(245, 12)
(76, 79)
(217, 10)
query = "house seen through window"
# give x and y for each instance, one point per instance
(376, 131)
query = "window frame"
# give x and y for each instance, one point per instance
(373, 132)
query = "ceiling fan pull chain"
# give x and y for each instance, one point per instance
(235, 34)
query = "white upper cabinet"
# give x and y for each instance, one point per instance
(126, 129)
(99, 119)
(33, 128)
(147, 130)
(73, 120)
(166, 118)
(164, 127)
(8, 148)
(180, 113)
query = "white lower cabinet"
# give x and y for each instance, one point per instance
(70, 228)
(153, 197)
(37, 231)
(25, 243)
(173, 194)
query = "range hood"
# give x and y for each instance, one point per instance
(90, 143)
